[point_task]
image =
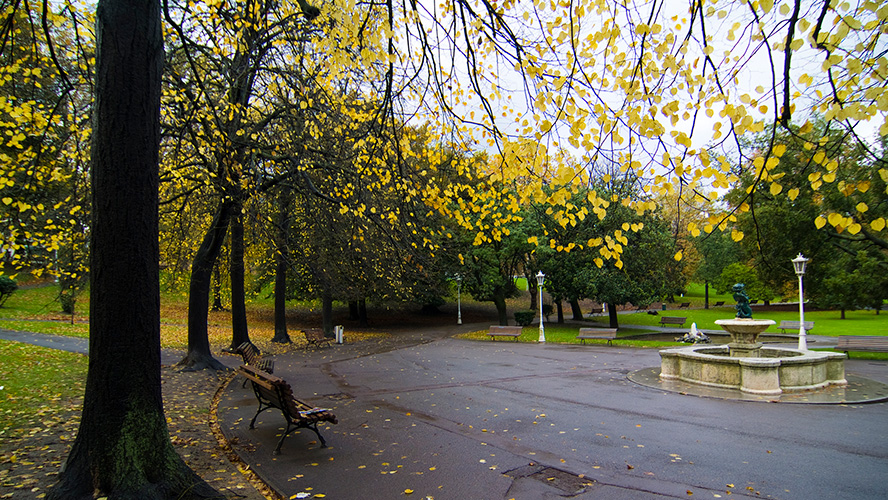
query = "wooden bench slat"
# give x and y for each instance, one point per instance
(862, 343)
(608, 334)
(673, 320)
(316, 337)
(794, 325)
(504, 331)
(251, 356)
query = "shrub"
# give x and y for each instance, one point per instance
(524, 318)
(7, 287)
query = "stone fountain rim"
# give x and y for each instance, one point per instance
(745, 321)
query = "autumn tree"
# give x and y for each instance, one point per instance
(44, 158)
(123, 449)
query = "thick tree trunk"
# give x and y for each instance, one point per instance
(217, 288)
(327, 313)
(706, 297)
(499, 300)
(363, 322)
(531, 287)
(612, 315)
(559, 308)
(199, 356)
(576, 310)
(123, 449)
(353, 310)
(239, 331)
(282, 257)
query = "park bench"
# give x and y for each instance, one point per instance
(596, 310)
(719, 303)
(684, 305)
(862, 343)
(794, 325)
(504, 331)
(672, 320)
(252, 357)
(316, 337)
(597, 334)
(274, 392)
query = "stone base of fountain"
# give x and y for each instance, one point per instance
(746, 365)
(774, 371)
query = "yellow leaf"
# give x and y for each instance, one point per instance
(878, 224)
(736, 235)
(854, 228)
(835, 219)
(819, 222)
(408, 491)
(775, 189)
(793, 193)
(678, 256)
(533, 240)
(861, 207)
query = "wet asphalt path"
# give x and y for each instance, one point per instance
(452, 419)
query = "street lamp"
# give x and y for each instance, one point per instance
(458, 299)
(540, 279)
(799, 264)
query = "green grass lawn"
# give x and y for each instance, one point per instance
(36, 383)
(825, 322)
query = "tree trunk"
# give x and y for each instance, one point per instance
(239, 331)
(217, 288)
(199, 356)
(282, 257)
(534, 304)
(843, 313)
(327, 313)
(576, 310)
(706, 296)
(362, 313)
(353, 310)
(612, 315)
(123, 449)
(559, 308)
(500, 301)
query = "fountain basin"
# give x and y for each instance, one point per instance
(772, 372)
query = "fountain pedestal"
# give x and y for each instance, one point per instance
(744, 336)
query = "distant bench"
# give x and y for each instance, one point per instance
(608, 334)
(794, 325)
(862, 343)
(504, 331)
(274, 392)
(673, 320)
(316, 337)
(684, 305)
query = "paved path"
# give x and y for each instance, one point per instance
(452, 419)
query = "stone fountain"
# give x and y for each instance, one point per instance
(747, 365)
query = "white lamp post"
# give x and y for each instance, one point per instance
(540, 279)
(799, 264)
(458, 299)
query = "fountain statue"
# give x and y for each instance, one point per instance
(746, 365)
(743, 309)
